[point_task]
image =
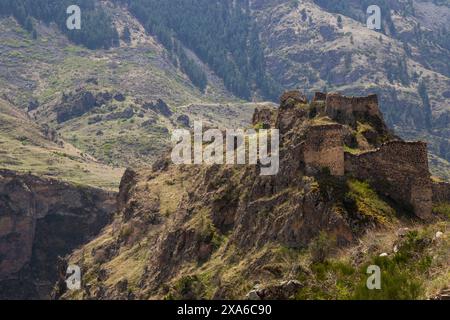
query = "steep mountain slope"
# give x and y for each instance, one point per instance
(117, 105)
(222, 33)
(195, 232)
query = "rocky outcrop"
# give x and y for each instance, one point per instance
(319, 96)
(282, 291)
(127, 113)
(127, 182)
(184, 120)
(75, 105)
(264, 117)
(80, 102)
(444, 295)
(33, 105)
(159, 107)
(41, 219)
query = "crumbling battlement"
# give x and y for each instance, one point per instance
(350, 110)
(441, 192)
(398, 170)
(319, 96)
(362, 105)
(324, 148)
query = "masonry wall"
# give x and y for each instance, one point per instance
(350, 110)
(441, 192)
(399, 170)
(324, 149)
(336, 101)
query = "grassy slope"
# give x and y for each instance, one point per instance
(23, 147)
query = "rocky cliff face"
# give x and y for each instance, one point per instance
(41, 219)
(211, 231)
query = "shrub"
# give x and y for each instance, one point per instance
(442, 209)
(321, 247)
(188, 288)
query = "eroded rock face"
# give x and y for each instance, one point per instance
(159, 106)
(41, 219)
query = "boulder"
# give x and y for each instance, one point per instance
(183, 120)
(159, 107)
(119, 97)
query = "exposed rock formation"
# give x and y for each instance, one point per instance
(159, 107)
(184, 120)
(265, 117)
(76, 104)
(41, 219)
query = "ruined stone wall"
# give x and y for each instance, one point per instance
(441, 192)
(399, 170)
(350, 110)
(323, 148)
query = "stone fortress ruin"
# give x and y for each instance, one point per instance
(348, 137)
